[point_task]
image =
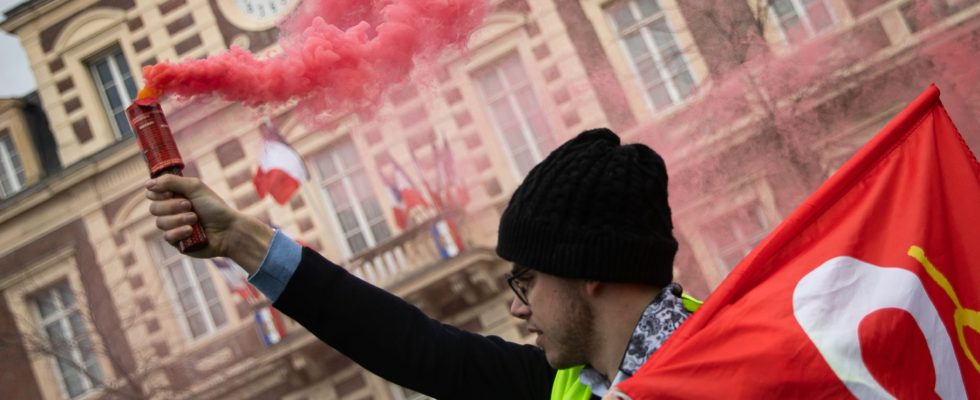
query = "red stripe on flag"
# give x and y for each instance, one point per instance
(277, 183)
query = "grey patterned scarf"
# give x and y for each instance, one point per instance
(664, 314)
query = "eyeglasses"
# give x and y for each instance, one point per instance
(518, 285)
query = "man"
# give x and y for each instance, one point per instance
(588, 231)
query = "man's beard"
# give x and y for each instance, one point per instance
(570, 347)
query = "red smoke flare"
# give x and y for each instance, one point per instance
(336, 54)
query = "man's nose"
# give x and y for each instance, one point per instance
(519, 309)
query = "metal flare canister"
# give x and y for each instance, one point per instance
(161, 154)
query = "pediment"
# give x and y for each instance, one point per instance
(88, 25)
(496, 25)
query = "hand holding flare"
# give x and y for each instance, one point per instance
(160, 151)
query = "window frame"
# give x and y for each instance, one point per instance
(61, 317)
(745, 244)
(343, 174)
(509, 92)
(13, 166)
(201, 302)
(640, 26)
(110, 56)
(804, 18)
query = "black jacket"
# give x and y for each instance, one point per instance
(396, 341)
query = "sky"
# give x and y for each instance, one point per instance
(16, 78)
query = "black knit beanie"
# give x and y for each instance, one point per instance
(593, 209)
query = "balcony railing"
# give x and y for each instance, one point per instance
(402, 256)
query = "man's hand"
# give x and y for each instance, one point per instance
(230, 233)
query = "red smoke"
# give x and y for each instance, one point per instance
(336, 54)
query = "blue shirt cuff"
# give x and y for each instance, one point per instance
(277, 267)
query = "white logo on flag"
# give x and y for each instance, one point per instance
(830, 302)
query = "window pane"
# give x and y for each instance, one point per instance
(684, 84)
(659, 96)
(77, 325)
(357, 243)
(528, 102)
(676, 64)
(783, 8)
(325, 167)
(11, 168)
(197, 324)
(623, 17)
(207, 288)
(112, 96)
(105, 76)
(649, 73)
(502, 112)
(94, 372)
(380, 231)
(46, 304)
(187, 299)
(338, 195)
(795, 31)
(662, 35)
(539, 125)
(648, 7)
(525, 161)
(121, 64)
(179, 276)
(491, 84)
(347, 154)
(200, 269)
(636, 46)
(217, 314)
(57, 336)
(6, 185)
(361, 184)
(371, 209)
(348, 220)
(514, 72)
(819, 15)
(123, 124)
(72, 377)
(85, 348)
(130, 87)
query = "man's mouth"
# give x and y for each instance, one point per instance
(536, 331)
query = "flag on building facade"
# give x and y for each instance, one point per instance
(404, 196)
(448, 195)
(871, 289)
(281, 169)
(446, 237)
(452, 192)
(236, 279)
(269, 324)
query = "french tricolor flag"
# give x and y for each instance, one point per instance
(404, 197)
(281, 169)
(270, 325)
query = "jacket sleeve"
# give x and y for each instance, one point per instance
(398, 342)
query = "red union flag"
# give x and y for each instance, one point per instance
(869, 290)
